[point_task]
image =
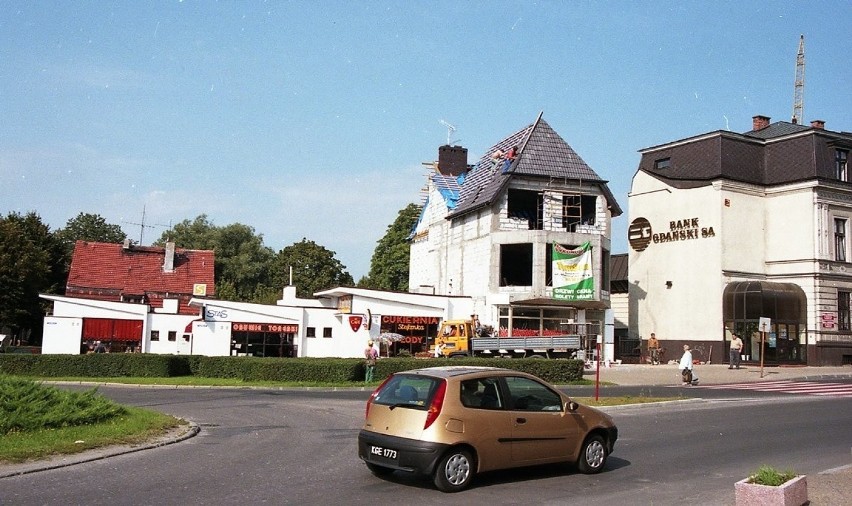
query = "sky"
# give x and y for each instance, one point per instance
(312, 119)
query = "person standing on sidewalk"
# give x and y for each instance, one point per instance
(654, 349)
(370, 356)
(686, 365)
(736, 351)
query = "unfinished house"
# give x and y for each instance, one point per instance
(488, 231)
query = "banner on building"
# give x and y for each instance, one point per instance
(573, 278)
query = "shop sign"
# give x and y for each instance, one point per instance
(344, 304)
(410, 320)
(355, 322)
(640, 233)
(265, 327)
(573, 277)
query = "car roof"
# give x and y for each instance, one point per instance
(458, 370)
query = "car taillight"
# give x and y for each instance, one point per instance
(436, 404)
(373, 396)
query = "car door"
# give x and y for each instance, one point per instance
(487, 422)
(541, 429)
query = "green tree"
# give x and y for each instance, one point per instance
(243, 268)
(314, 268)
(389, 264)
(89, 227)
(32, 261)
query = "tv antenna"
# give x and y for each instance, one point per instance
(450, 130)
(799, 83)
(142, 225)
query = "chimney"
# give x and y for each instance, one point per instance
(126, 243)
(169, 261)
(758, 122)
(452, 160)
(818, 124)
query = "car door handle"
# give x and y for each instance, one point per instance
(520, 420)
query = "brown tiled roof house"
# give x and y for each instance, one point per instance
(140, 274)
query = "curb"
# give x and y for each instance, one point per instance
(174, 436)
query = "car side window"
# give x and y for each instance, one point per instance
(481, 393)
(530, 395)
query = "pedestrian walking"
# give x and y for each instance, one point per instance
(370, 356)
(654, 349)
(736, 351)
(686, 365)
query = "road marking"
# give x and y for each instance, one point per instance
(789, 387)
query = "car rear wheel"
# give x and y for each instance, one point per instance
(379, 470)
(454, 471)
(592, 456)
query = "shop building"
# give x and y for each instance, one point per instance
(128, 298)
(730, 230)
(494, 230)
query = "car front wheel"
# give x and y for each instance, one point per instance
(454, 471)
(592, 456)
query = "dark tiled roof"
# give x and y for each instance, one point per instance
(107, 271)
(542, 153)
(781, 153)
(777, 129)
(618, 282)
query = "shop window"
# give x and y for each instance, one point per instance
(172, 335)
(841, 164)
(516, 264)
(311, 332)
(840, 239)
(155, 335)
(526, 205)
(578, 211)
(843, 316)
(326, 332)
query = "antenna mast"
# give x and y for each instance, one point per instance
(799, 83)
(450, 130)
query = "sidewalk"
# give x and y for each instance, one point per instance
(713, 374)
(828, 488)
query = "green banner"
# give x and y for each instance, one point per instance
(573, 278)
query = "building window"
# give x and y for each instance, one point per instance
(843, 320)
(841, 165)
(172, 335)
(663, 163)
(311, 332)
(578, 210)
(516, 261)
(326, 332)
(840, 239)
(155, 335)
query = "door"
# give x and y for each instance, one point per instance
(541, 431)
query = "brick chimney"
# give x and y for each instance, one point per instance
(759, 122)
(452, 160)
(818, 124)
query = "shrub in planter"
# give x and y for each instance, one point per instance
(769, 486)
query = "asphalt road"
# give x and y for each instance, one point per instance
(298, 447)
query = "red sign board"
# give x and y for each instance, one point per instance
(265, 327)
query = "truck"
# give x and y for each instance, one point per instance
(464, 338)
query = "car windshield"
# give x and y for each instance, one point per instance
(404, 390)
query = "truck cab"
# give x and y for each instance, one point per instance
(453, 338)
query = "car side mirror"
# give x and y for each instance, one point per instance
(571, 406)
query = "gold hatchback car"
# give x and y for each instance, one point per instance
(453, 422)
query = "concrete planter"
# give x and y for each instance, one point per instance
(791, 493)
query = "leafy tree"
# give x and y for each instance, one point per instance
(389, 265)
(243, 267)
(89, 227)
(32, 261)
(314, 268)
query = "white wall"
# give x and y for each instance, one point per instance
(62, 335)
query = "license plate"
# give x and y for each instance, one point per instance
(384, 453)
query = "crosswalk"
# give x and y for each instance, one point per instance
(843, 390)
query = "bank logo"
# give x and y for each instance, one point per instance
(639, 234)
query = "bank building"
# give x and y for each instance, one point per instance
(748, 234)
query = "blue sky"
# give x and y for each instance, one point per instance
(312, 118)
